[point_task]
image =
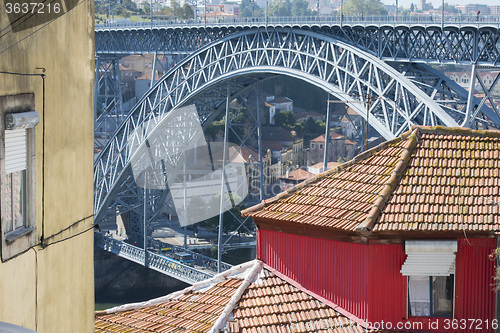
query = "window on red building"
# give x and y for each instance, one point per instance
(430, 268)
(430, 296)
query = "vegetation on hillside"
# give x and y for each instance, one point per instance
(364, 8)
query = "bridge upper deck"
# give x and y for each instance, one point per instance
(408, 21)
(430, 39)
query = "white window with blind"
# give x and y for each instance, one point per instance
(430, 268)
(18, 182)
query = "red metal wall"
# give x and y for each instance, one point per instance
(323, 266)
(366, 281)
(387, 285)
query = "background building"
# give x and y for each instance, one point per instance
(46, 268)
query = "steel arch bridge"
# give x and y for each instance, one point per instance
(401, 94)
(457, 40)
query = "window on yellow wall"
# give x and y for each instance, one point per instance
(18, 206)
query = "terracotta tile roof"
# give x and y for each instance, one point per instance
(272, 304)
(192, 312)
(329, 166)
(298, 174)
(333, 135)
(262, 301)
(431, 179)
(452, 182)
(242, 154)
(273, 145)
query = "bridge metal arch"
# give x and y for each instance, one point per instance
(345, 71)
(451, 42)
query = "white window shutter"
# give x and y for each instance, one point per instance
(429, 258)
(15, 150)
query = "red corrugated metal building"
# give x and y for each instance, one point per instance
(402, 235)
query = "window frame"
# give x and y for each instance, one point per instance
(431, 299)
(22, 238)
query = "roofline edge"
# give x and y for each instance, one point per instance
(233, 302)
(197, 286)
(397, 173)
(338, 168)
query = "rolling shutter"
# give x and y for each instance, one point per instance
(15, 150)
(16, 125)
(429, 258)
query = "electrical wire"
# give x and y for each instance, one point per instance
(43, 26)
(36, 288)
(21, 74)
(93, 226)
(43, 240)
(43, 155)
(13, 26)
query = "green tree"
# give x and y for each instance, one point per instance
(312, 128)
(364, 7)
(299, 8)
(280, 8)
(248, 8)
(146, 8)
(449, 8)
(129, 5)
(176, 8)
(284, 119)
(186, 12)
(247, 12)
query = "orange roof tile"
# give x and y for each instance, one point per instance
(333, 136)
(193, 312)
(431, 179)
(272, 304)
(268, 302)
(298, 174)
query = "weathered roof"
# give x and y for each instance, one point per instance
(333, 136)
(329, 166)
(192, 312)
(273, 145)
(298, 174)
(242, 154)
(430, 179)
(281, 100)
(254, 299)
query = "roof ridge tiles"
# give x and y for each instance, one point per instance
(365, 155)
(250, 277)
(397, 173)
(233, 272)
(460, 131)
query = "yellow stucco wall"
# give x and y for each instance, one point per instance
(51, 289)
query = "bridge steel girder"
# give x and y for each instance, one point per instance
(430, 43)
(339, 68)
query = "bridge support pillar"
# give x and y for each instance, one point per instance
(108, 102)
(470, 98)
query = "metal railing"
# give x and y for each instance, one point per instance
(155, 261)
(409, 20)
(199, 259)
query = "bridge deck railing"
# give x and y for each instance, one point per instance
(199, 259)
(424, 20)
(155, 261)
